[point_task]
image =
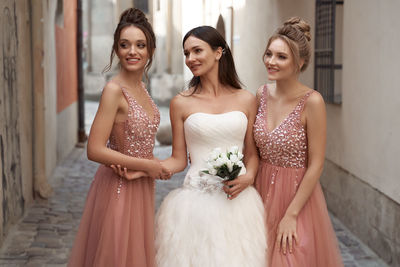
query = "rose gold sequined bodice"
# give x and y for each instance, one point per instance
(136, 136)
(286, 145)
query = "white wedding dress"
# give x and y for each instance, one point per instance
(196, 225)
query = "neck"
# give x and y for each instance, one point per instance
(131, 79)
(287, 86)
(210, 83)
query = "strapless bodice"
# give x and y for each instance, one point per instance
(204, 132)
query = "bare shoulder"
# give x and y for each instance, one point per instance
(179, 100)
(315, 99)
(179, 105)
(246, 96)
(112, 89)
(315, 102)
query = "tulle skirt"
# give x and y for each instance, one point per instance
(203, 229)
(317, 241)
(116, 229)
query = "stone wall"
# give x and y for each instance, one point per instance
(29, 120)
(15, 112)
(369, 213)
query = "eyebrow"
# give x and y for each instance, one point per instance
(279, 53)
(126, 40)
(194, 47)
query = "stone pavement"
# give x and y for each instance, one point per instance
(44, 236)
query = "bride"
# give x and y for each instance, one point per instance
(198, 225)
(207, 223)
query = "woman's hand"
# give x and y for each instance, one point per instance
(287, 233)
(157, 171)
(127, 174)
(235, 187)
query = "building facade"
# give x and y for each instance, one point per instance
(38, 99)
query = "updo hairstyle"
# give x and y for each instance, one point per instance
(134, 17)
(296, 33)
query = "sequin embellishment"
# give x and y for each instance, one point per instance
(138, 132)
(286, 145)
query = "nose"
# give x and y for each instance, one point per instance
(189, 57)
(132, 50)
(270, 60)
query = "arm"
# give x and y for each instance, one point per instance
(315, 114)
(110, 105)
(178, 160)
(250, 154)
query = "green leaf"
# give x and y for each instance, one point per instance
(235, 172)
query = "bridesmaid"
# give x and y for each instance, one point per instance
(117, 226)
(290, 133)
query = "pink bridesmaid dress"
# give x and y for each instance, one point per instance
(117, 226)
(283, 153)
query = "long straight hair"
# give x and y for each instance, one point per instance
(227, 74)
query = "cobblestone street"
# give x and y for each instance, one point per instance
(44, 236)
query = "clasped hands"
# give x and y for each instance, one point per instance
(155, 171)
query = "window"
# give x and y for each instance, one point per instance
(328, 49)
(142, 5)
(60, 13)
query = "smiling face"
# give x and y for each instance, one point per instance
(132, 49)
(200, 57)
(279, 61)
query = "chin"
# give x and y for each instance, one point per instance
(196, 73)
(134, 68)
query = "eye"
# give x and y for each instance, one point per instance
(197, 50)
(282, 57)
(186, 54)
(268, 54)
(123, 45)
(141, 45)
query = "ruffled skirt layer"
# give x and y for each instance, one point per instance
(197, 229)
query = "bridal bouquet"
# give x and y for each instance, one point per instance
(225, 165)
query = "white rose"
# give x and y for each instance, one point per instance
(215, 154)
(240, 155)
(219, 162)
(240, 164)
(224, 157)
(234, 158)
(229, 164)
(234, 150)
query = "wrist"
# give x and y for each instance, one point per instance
(291, 213)
(151, 165)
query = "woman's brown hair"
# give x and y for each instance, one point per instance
(227, 74)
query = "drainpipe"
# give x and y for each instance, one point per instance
(81, 101)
